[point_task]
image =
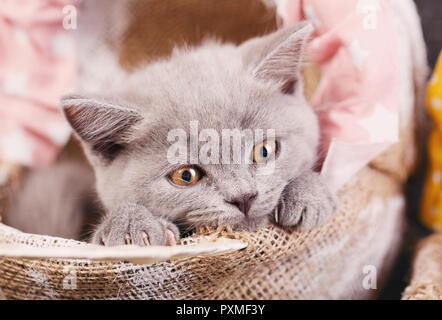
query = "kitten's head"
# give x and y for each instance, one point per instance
(135, 133)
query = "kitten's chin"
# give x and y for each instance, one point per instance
(252, 223)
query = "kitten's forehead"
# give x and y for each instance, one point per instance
(213, 88)
(210, 86)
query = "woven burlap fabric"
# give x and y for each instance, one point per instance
(326, 262)
(426, 280)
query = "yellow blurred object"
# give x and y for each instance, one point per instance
(431, 209)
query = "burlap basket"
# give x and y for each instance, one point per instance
(426, 281)
(326, 262)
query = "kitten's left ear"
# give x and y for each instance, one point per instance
(106, 127)
(279, 56)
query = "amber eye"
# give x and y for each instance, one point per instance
(186, 176)
(264, 151)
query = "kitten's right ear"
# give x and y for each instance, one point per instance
(105, 127)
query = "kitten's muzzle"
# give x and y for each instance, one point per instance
(244, 202)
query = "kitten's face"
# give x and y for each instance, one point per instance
(220, 87)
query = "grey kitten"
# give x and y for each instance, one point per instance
(257, 85)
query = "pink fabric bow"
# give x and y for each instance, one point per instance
(354, 45)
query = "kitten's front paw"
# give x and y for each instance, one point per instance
(306, 202)
(134, 224)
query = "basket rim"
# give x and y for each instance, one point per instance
(205, 246)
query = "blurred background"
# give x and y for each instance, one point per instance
(430, 12)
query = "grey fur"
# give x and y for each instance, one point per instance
(105, 127)
(134, 221)
(314, 204)
(55, 201)
(222, 87)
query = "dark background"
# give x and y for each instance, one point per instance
(430, 12)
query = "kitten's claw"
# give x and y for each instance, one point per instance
(276, 214)
(306, 202)
(170, 238)
(146, 239)
(127, 239)
(134, 224)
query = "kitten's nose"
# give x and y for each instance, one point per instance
(244, 202)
